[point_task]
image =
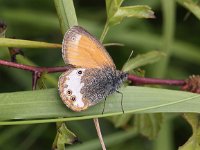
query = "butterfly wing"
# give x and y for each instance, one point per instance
(81, 49)
(70, 86)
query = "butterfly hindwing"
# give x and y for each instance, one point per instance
(81, 49)
(70, 86)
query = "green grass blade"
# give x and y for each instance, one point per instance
(44, 104)
(66, 14)
(7, 42)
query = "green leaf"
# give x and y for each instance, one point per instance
(7, 42)
(66, 14)
(143, 59)
(46, 104)
(148, 124)
(192, 6)
(115, 14)
(112, 6)
(130, 11)
(63, 136)
(194, 141)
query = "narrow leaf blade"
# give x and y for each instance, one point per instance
(7, 42)
(143, 59)
(45, 104)
(66, 14)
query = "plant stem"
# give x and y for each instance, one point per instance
(33, 68)
(96, 122)
(136, 80)
(105, 30)
(142, 81)
(160, 69)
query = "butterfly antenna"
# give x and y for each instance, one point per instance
(121, 100)
(104, 104)
(130, 56)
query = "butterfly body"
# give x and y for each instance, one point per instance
(94, 76)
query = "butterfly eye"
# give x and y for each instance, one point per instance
(69, 92)
(73, 98)
(80, 72)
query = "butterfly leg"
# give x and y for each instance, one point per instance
(121, 100)
(104, 104)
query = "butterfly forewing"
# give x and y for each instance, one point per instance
(81, 49)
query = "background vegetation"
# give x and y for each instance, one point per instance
(175, 31)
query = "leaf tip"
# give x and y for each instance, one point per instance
(152, 15)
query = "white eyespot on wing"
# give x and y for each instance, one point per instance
(75, 85)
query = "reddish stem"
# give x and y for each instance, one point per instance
(37, 71)
(141, 81)
(33, 68)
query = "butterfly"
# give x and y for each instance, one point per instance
(94, 75)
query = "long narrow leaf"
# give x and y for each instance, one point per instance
(66, 14)
(45, 104)
(7, 42)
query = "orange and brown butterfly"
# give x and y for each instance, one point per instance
(94, 76)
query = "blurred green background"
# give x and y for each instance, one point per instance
(37, 20)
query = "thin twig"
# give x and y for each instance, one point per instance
(96, 122)
(35, 69)
(136, 80)
(143, 80)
